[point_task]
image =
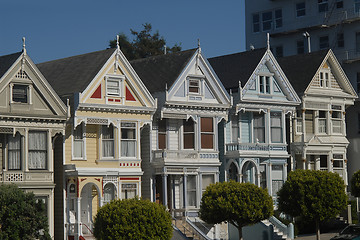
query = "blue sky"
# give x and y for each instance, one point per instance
(57, 29)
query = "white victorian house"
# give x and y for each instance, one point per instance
(184, 136)
(319, 128)
(256, 133)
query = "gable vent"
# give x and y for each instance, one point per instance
(22, 75)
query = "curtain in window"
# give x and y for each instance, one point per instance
(14, 152)
(108, 141)
(78, 146)
(276, 130)
(37, 150)
(128, 140)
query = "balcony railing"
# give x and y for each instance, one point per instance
(254, 147)
(187, 155)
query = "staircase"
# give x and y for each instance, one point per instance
(280, 230)
(87, 237)
(189, 229)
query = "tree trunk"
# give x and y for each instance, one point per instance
(317, 229)
(240, 232)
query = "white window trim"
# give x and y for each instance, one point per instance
(271, 79)
(136, 140)
(326, 82)
(83, 140)
(200, 80)
(28, 89)
(121, 80)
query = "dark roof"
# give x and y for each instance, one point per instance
(158, 71)
(236, 67)
(300, 69)
(73, 74)
(7, 61)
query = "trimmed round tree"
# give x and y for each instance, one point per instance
(21, 215)
(241, 204)
(132, 219)
(313, 195)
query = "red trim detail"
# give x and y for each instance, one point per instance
(129, 96)
(102, 186)
(117, 100)
(110, 100)
(98, 179)
(82, 179)
(97, 93)
(129, 178)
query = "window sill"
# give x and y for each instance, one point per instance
(78, 159)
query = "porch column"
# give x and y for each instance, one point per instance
(78, 218)
(285, 172)
(330, 162)
(240, 177)
(199, 193)
(185, 192)
(153, 185)
(269, 178)
(164, 185)
(258, 179)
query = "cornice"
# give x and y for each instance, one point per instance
(115, 108)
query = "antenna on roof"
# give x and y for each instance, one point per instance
(165, 49)
(24, 49)
(268, 41)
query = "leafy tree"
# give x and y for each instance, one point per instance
(144, 44)
(132, 219)
(355, 184)
(21, 215)
(313, 195)
(241, 204)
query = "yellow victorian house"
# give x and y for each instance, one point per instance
(102, 159)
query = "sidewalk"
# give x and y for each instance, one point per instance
(323, 236)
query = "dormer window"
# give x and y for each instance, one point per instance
(264, 82)
(114, 86)
(20, 93)
(324, 79)
(194, 86)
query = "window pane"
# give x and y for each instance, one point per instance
(278, 18)
(128, 148)
(207, 125)
(191, 190)
(324, 42)
(109, 192)
(259, 129)
(256, 22)
(206, 181)
(300, 9)
(207, 141)
(108, 141)
(19, 93)
(128, 190)
(189, 134)
(37, 150)
(266, 20)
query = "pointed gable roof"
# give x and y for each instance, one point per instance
(300, 69)
(7, 61)
(236, 67)
(73, 74)
(158, 71)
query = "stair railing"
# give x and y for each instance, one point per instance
(87, 228)
(197, 230)
(288, 230)
(183, 229)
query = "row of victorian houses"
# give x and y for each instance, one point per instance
(83, 130)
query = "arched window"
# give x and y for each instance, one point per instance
(109, 192)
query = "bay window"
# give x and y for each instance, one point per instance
(322, 122)
(259, 127)
(207, 133)
(162, 133)
(37, 150)
(336, 119)
(191, 190)
(338, 161)
(276, 127)
(107, 133)
(189, 134)
(78, 142)
(128, 139)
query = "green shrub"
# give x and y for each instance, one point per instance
(132, 219)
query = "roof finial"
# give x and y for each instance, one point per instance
(268, 41)
(117, 42)
(164, 49)
(198, 42)
(24, 49)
